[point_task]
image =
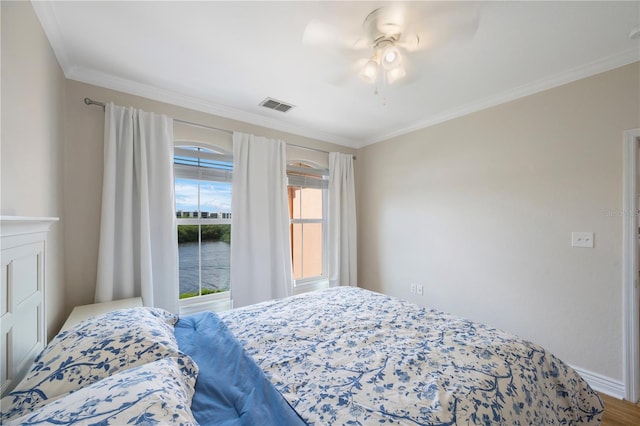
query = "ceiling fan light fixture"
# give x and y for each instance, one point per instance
(395, 74)
(369, 72)
(391, 57)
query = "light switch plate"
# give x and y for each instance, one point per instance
(582, 239)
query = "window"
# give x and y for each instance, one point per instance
(203, 215)
(308, 226)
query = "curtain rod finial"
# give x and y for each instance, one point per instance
(89, 101)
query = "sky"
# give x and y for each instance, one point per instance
(214, 196)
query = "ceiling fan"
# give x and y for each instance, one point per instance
(393, 32)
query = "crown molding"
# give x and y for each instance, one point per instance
(602, 65)
(47, 17)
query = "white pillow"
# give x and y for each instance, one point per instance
(155, 393)
(90, 351)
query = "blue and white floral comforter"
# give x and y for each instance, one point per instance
(350, 356)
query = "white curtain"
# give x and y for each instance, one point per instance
(343, 268)
(138, 254)
(260, 249)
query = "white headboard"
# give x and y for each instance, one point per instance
(22, 295)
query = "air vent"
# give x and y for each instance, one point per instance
(276, 104)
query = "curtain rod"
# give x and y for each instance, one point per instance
(89, 101)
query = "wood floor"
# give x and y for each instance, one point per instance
(619, 413)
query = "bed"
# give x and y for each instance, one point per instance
(342, 356)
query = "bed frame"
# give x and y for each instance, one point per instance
(22, 295)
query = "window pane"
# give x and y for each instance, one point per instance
(307, 250)
(294, 200)
(296, 250)
(216, 252)
(311, 203)
(189, 260)
(211, 256)
(215, 199)
(186, 191)
(312, 249)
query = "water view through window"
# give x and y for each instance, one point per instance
(204, 264)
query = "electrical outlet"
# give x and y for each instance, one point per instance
(420, 289)
(582, 239)
(413, 288)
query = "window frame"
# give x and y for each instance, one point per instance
(315, 172)
(217, 301)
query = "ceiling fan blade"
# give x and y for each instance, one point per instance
(318, 33)
(349, 74)
(391, 19)
(409, 42)
(461, 29)
(437, 24)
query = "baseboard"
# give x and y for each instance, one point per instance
(600, 383)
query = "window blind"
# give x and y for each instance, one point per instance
(202, 173)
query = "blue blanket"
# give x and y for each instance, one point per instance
(231, 389)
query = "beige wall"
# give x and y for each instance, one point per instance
(83, 173)
(32, 138)
(480, 211)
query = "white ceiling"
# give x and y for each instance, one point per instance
(226, 57)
